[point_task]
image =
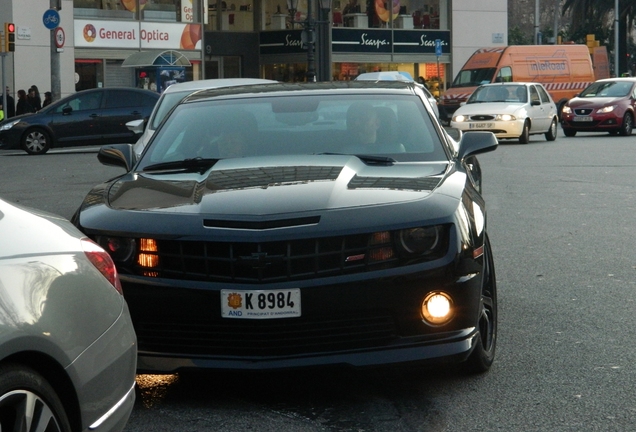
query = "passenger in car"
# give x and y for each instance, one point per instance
(372, 130)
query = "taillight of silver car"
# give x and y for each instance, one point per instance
(102, 261)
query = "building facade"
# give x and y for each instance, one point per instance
(153, 43)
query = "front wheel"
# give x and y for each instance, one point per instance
(483, 354)
(28, 402)
(569, 132)
(551, 134)
(36, 141)
(525, 134)
(628, 124)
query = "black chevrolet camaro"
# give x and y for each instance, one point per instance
(290, 225)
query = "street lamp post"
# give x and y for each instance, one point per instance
(308, 35)
(324, 41)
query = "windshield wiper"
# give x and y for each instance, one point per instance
(195, 164)
(367, 159)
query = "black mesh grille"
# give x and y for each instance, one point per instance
(264, 337)
(270, 261)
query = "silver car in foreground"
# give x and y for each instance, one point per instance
(68, 351)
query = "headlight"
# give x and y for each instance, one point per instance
(459, 118)
(421, 240)
(606, 109)
(9, 125)
(566, 110)
(505, 117)
(120, 249)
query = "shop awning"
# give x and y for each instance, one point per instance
(156, 58)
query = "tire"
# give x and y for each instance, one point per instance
(569, 132)
(628, 125)
(36, 141)
(19, 386)
(524, 138)
(551, 134)
(481, 359)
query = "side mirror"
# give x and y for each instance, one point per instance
(136, 126)
(67, 110)
(477, 142)
(118, 155)
(535, 103)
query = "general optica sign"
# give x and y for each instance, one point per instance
(135, 35)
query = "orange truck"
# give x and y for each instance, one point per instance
(564, 70)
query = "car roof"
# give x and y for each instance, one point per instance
(627, 79)
(385, 76)
(510, 84)
(215, 82)
(332, 87)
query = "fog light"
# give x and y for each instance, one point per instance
(437, 308)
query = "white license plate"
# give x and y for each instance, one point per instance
(582, 119)
(481, 125)
(260, 304)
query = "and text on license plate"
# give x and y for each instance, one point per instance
(582, 118)
(260, 304)
(481, 125)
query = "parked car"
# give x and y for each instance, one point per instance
(289, 225)
(68, 350)
(171, 96)
(510, 111)
(89, 117)
(399, 76)
(606, 105)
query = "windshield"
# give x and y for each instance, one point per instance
(473, 77)
(607, 89)
(396, 128)
(499, 93)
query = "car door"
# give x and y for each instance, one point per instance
(122, 106)
(74, 121)
(539, 110)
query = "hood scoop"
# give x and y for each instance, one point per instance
(263, 177)
(397, 183)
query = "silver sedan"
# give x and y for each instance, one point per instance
(68, 351)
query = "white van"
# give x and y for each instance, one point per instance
(172, 95)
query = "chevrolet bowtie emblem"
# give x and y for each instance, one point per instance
(260, 260)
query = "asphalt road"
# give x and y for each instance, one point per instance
(561, 221)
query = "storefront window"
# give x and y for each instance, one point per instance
(296, 72)
(233, 16)
(109, 9)
(407, 14)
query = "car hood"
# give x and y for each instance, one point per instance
(593, 102)
(276, 188)
(491, 108)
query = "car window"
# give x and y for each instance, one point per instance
(504, 75)
(545, 98)
(534, 95)
(607, 89)
(275, 126)
(165, 104)
(127, 99)
(82, 102)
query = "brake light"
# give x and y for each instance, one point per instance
(103, 262)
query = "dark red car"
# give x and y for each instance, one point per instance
(606, 105)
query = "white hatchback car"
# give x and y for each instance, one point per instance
(509, 110)
(172, 95)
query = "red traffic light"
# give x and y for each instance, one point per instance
(9, 37)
